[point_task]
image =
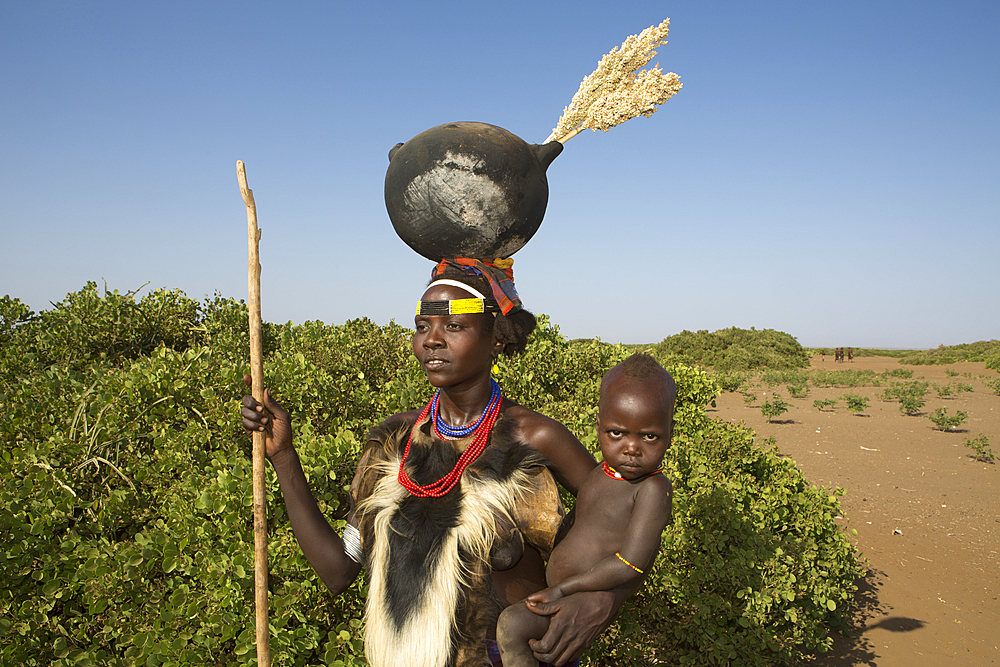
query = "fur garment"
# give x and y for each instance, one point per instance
(431, 600)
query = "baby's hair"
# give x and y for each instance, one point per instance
(511, 330)
(642, 366)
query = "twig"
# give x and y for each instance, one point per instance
(257, 389)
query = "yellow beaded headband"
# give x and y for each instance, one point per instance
(455, 307)
(478, 304)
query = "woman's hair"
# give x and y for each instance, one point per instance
(513, 329)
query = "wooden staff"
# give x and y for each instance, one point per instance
(257, 390)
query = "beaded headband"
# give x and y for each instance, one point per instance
(456, 307)
(480, 304)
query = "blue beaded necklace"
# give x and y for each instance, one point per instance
(445, 431)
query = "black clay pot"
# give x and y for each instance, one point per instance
(467, 190)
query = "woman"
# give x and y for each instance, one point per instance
(413, 490)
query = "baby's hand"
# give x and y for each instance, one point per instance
(547, 595)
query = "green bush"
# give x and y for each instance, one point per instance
(735, 350)
(873, 352)
(775, 407)
(730, 381)
(824, 404)
(909, 394)
(979, 351)
(125, 489)
(797, 390)
(855, 403)
(993, 361)
(980, 445)
(946, 422)
(773, 378)
(991, 383)
(846, 378)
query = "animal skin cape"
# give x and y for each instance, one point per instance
(431, 600)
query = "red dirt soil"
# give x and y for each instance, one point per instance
(925, 511)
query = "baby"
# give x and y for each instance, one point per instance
(621, 510)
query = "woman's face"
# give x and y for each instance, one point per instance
(454, 349)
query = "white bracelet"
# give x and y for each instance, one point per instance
(352, 544)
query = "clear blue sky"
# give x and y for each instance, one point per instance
(830, 169)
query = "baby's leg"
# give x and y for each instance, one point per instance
(516, 626)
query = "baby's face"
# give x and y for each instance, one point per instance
(634, 427)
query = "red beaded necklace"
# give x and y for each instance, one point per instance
(471, 453)
(614, 474)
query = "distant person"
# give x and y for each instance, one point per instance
(621, 510)
(850, 354)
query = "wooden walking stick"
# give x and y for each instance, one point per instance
(257, 390)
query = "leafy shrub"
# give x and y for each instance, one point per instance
(944, 421)
(979, 351)
(992, 383)
(993, 361)
(855, 403)
(773, 378)
(873, 352)
(963, 387)
(846, 378)
(909, 394)
(730, 381)
(125, 489)
(797, 390)
(734, 349)
(824, 404)
(13, 313)
(774, 407)
(943, 390)
(903, 373)
(981, 446)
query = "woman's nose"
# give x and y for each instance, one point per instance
(433, 339)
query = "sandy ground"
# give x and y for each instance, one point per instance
(925, 511)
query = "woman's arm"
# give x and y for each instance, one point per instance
(574, 623)
(571, 462)
(321, 545)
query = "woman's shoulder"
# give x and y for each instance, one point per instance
(390, 425)
(571, 462)
(535, 428)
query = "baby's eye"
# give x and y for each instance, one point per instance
(650, 437)
(614, 433)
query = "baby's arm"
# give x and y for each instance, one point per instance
(650, 515)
